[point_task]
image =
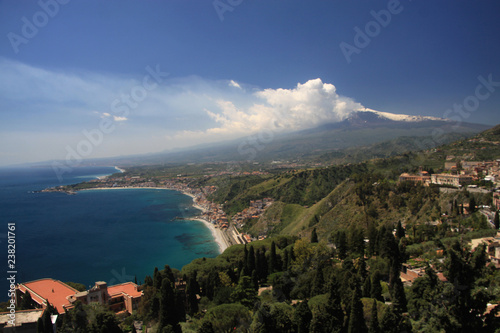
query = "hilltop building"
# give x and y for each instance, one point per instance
(121, 298)
(453, 180)
(422, 177)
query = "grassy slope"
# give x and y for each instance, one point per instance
(342, 206)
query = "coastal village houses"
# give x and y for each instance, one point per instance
(458, 174)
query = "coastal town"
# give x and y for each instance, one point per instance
(212, 214)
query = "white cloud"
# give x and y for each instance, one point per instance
(306, 106)
(233, 83)
(118, 118)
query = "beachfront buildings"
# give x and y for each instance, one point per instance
(121, 298)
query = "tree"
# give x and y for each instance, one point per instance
(356, 240)
(106, 322)
(318, 282)
(374, 327)
(400, 231)
(356, 318)
(376, 288)
(26, 301)
(157, 279)
(193, 288)
(250, 261)
(302, 317)
(367, 287)
(314, 236)
(244, 292)
(168, 306)
(472, 204)
(44, 324)
(496, 220)
(206, 327)
(372, 240)
(228, 317)
(334, 308)
(341, 244)
(273, 260)
(468, 300)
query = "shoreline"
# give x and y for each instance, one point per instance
(217, 234)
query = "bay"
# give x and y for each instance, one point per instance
(96, 235)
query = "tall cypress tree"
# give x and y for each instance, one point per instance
(397, 291)
(356, 318)
(157, 279)
(374, 326)
(245, 263)
(193, 289)
(341, 244)
(273, 259)
(314, 236)
(367, 287)
(472, 205)
(302, 317)
(336, 314)
(286, 260)
(251, 260)
(26, 301)
(376, 288)
(168, 306)
(496, 220)
(400, 231)
(167, 272)
(318, 282)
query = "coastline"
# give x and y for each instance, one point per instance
(217, 234)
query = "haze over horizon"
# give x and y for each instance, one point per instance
(153, 76)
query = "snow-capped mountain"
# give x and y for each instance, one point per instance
(401, 117)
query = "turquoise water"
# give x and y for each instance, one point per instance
(96, 235)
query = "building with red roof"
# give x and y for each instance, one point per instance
(124, 297)
(53, 291)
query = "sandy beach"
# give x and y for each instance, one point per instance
(217, 233)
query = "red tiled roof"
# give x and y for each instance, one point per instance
(128, 288)
(55, 291)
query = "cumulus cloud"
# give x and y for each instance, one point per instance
(307, 105)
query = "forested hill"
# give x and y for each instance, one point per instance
(359, 194)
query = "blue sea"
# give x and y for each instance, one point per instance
(95, 235)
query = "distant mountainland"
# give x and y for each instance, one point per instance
(333, 142)
(363, 135)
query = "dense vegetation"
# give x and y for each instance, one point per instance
(287, 284)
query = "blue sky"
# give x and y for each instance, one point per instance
(205, 71)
